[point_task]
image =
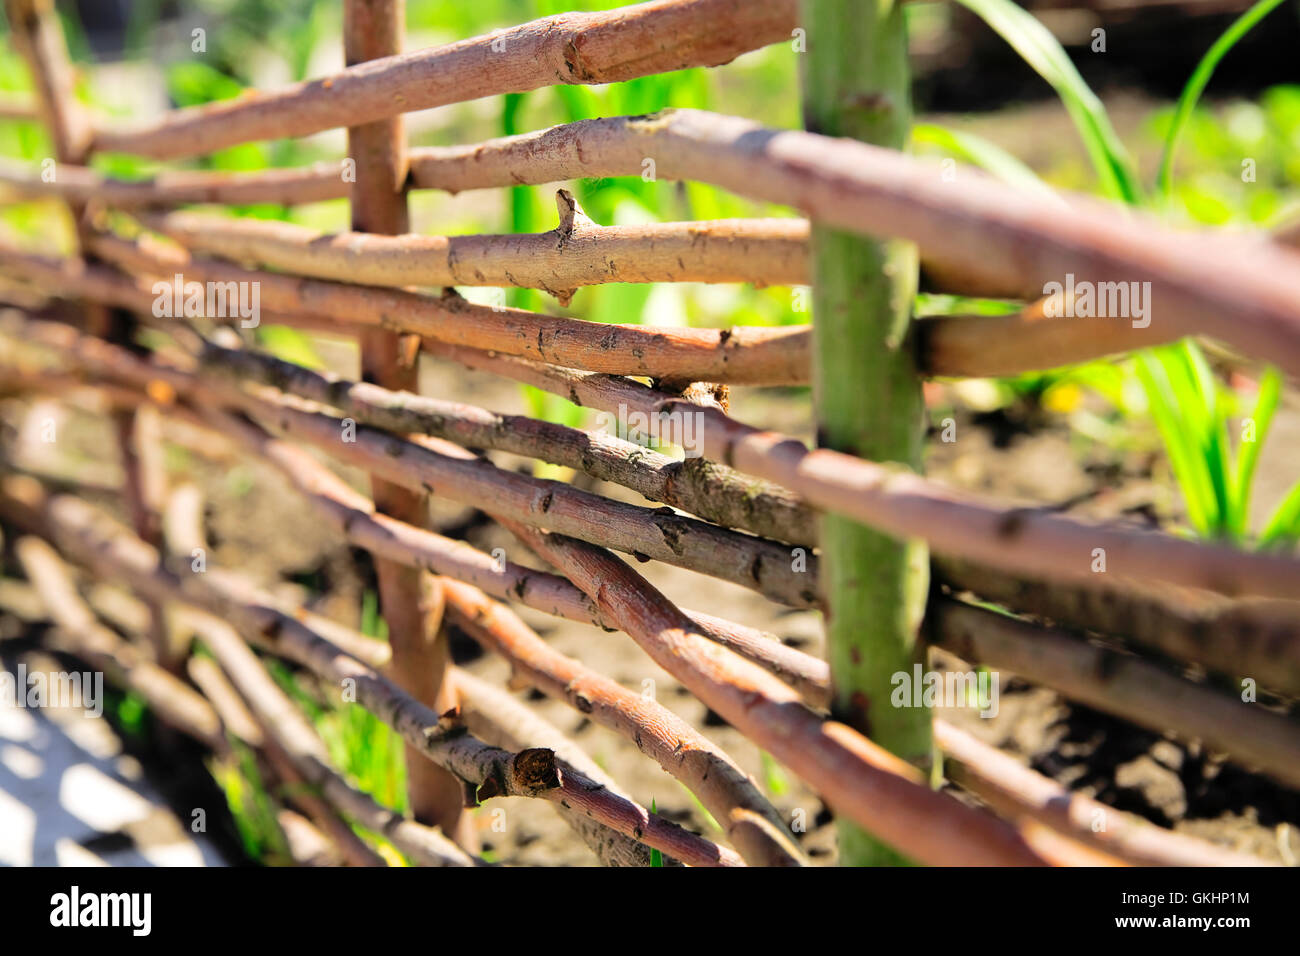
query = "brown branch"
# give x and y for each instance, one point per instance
(82, 184)
(737, 356)
(1014, 790)
(289, 731)
(749, 820)
(175, 702)
(755, 563)
(1122, 685)
(576, 253)
(974, 233)
(208, 676)
(498, 718)
(15, 106)
(569, 48)
(1258, 638)
(882, 793)
(713, 492)
(91, 537)
(38, 35)
(1031, 541)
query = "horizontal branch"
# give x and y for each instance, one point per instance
(1035, 542)
(1256, 638)
(737, 356)
(713, 492)
(570, 48)
(91, 537)
(1013, 789)
(456, 475)
(1126, 686)
(323, 180)
(291, 732)
(15, 106)
(974, 233)
(576, 253)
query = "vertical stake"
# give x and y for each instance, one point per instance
(867, 393)
(409, 599)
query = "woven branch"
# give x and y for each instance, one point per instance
(500, 719)
(880, 792)
(1259, 638)
(738, 356)
(569, 48)
(1035, 542)
(576, 253)
(91, 537)
(711, 491)
(175, 702)
(1126, 686)
(975, 234)
(751, 823)
(991, 774)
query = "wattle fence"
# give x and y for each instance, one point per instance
(750, 506)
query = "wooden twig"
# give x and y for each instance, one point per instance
(755, 563)
(569, 48)
(976, 235)
(353, 515)
(711, 491)
(1014, 790)
(751, 823)
(1256, 638)
(289, 732)
(91, 537)
(577, 253)
(38, 36)
(737, 356)
(881, 792)
(1126, 686)
(1031, 541)
(498, 718)
(173, 701)
(208, 676)
(82, 184)
(15, 106)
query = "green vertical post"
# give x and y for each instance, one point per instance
(867, 392)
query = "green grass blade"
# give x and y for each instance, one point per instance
(978, 151)
(1187, 465)
(1197, 83)
(1270, 393)
(1036, 45)
(1283, 529)
(1201, 395)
